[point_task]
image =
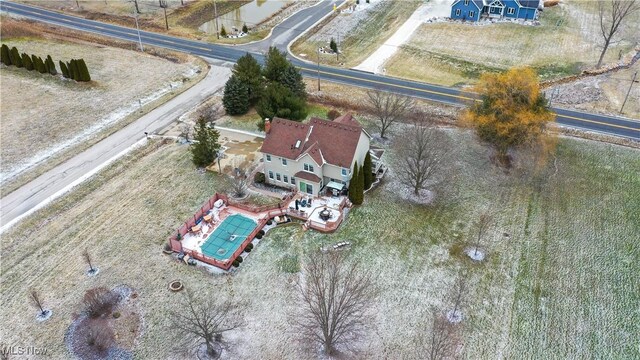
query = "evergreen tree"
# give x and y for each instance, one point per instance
(38, 64)
(205, 148)
(249, 73)
(292, 79)
(83, 71)
(360, 186)
(353, 184)
(73, 70)
(236, 96)
(333, 45)
(63, 69)
(51, 66)
(368, 171)
(16, 59)
(275, 65)
(223, 32)
(5, 56)
(279, 101)
(245, 29)
(27, 62)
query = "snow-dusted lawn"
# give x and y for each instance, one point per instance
(358, 33)
(563, 283)
(567, 41)
(43, 115)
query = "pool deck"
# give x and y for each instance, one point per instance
(191, 243)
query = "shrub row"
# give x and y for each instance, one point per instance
(75, 69)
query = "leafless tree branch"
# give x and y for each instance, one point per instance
(205, 319)
(335, 296)
(611, 18)
(388, 108)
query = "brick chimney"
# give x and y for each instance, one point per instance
(267, 125)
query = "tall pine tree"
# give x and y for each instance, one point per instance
(368, 171)
(205, 148)
(6, 57)
(353, 184)
(51, 66)
(249, 73)
(83, 71)
(236, 96)
(64, 70)
(27, 62)
(360, 190)
(16, 59)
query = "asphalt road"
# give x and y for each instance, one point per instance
(286, 32)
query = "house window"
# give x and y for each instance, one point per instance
(457, 12)
(271, 175)
(308, 167)
(293, 180)
(285, 178)
(344, 173)
(268, 157)
(511, 11)
(284, 162)
(466, 2)
(277, 177)
(471, 14)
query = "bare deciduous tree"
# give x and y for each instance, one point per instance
(87, 258)
(163, 4)
(420, 154)
(335, 296)
(611, 19)
(211, 113)
(458, 294)
(239, 182)
(438, 342)
(99, 301)
(135, 3)
(205, 320)
(36, 299)
(482, 226)
(388, 107)
(186, 130)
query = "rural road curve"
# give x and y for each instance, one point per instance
(44, 188)
(612, 125)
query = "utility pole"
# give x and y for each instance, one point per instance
(135, 15)
(629, 91)
(338, 48)
(215, 16)
(318, 68)
(164, 5)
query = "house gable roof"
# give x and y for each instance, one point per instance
(533, 4)
(478, 3)
(325, 141)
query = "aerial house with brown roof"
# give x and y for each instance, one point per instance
(314, 158)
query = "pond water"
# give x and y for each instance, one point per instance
(251, 14)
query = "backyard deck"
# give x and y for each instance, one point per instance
(217, 235)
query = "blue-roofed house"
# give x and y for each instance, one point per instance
(473, 10)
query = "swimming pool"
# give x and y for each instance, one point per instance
(228, 237)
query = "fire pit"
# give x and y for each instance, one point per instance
(325, 214)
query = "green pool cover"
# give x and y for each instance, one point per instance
(228, 237)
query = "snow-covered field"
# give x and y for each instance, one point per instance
(50, 115)
(559, 278)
